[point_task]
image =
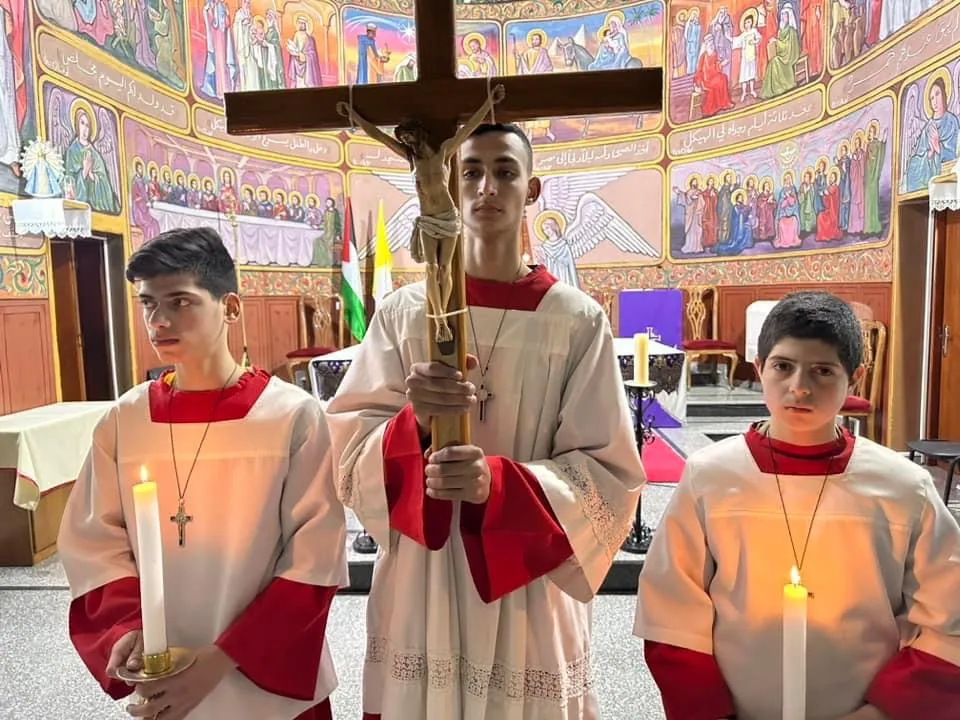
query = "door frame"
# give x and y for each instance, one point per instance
(934, 301)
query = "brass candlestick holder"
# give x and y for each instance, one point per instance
(159, 666)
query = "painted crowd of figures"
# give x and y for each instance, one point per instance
(833, 201)
(858, 25)
(152, 184)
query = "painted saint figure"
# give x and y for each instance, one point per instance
(303, 70)
(370, 60)
(86, 172)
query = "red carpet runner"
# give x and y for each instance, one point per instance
(662, 462)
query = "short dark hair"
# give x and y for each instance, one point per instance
(507, 129)
(814, 316)
(199, 252)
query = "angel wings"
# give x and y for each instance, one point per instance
(590, 220)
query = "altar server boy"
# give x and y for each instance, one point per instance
(242, 460)
(874, 544)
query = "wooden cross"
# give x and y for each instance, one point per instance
(440, 101)
(181, 519)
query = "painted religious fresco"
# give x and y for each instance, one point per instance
(929, 126)
(730, 54)
(857, 26)
(627, 37)
(829, 189)
(246, 45)
(478, 53)
(146, 35)
(378, 47)
(269, 214)
(85, 135)
(16, 92)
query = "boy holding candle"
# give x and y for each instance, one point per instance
(864, 529)
(251, 539)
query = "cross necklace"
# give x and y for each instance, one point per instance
(181, 518)
(483, 394)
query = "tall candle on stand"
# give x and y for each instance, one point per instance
(641, 358)
(150, 558)
(794, 648)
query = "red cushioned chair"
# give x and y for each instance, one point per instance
(701, 312)
(864, 403)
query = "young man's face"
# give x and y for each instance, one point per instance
(804, 387)
(495, 183)
(184, 321)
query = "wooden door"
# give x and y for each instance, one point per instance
(26, 357)
(948, 425)
(283, 328)
(69, 336)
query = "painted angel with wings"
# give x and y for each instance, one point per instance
(573, 220)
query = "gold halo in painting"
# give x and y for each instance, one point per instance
(834, 170)
(860, 135)
(615, 15)
(245, 187)
(166, 171)
(542, 218)
(809, 171)
(740, 195)
(692, 177)
(260, 22)
(681, 16)
(844, 145)
(767, 180)
(296, 194)
(227, 172)
(943, 74)
(313, 196)
(694, 13)
(787, 174)
(137, 160)
(708, 178)
(262, 189)
(193, 177)
(307, 21)
(81, 104)
(751, 178)
(875, 126)
(469, 37)
(748, 13)
(824, 161)
(723, 175)
(279, 194)
(179, 175)
(541, 33)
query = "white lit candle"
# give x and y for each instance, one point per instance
(641, 358)
(794, 648)
(150, 560)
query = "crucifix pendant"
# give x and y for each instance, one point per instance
(181, 519)
(483, 395)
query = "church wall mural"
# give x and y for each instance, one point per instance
(130, 95)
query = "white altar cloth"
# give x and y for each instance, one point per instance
(259, 241)
(47, 446)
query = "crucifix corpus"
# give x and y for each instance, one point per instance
(428, 114)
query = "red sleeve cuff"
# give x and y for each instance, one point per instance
(691, 684)
(916, 684)
(97, 620)
(277, 641)
(413, 513)
(513, 538)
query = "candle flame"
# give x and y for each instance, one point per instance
(794, 575)
(143, 474)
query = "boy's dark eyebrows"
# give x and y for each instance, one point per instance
(502, 160)
(787, 358)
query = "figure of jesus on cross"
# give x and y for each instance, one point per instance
(496, 541)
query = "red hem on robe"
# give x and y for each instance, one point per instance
(200, 406)
(514, 537)
(97, 620)
(323, 711)
(423, 519)
(915, 684)
(524, 294)
(277, 640)
(691, 684)
(789, 459)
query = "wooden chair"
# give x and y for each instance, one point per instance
(864, 402)
(801, 70)
(320, 329)
(701, 313)
(609, 301)
(696, 102)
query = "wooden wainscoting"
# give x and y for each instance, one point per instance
(27, 379)
(272, 324)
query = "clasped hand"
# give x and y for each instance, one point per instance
(458, 472)
(176, 697)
